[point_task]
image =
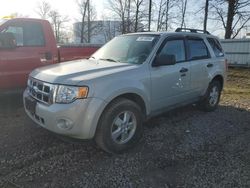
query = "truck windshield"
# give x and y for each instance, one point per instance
(133, 49)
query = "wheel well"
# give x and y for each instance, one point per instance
(135, 98)
(220, 79)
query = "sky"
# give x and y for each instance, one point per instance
(69, 8)
(28, 7)
(65, 7)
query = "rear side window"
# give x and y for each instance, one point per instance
(33, 35)
(216, 47)
(27, 34)
(176, 48)
(197, 49)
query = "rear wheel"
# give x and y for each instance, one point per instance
(120, 126)
(211, 100)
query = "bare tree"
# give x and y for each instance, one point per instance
(138, 4)
(159, 20)
(205, 14)
(93, 29)
(120, 8)
(220, 14)
(57, 21)
(165, 15)
(236, 10)
(88, 14)
(43, 9)
(110, 29)
(183, 9)
(132, 14)
(89, 23)
(128, 17)
(149, 15)
(107, 30)
(82, 5)
(234, 15)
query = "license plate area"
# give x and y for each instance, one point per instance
(30, 105)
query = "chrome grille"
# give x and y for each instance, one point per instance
(41, 91)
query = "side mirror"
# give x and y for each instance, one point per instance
(163, 59)
(7, 41)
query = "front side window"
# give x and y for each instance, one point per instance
(176, 48)
(133, 49)
(197, 49)
(27, 34)
(216, 47)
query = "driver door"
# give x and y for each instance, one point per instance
(30, 52)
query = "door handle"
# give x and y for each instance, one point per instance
(48, 56)
(43, 60)
(183, 70)
(210, 65)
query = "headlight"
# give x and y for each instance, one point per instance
(68, 94)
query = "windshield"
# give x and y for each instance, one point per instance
(133, 49)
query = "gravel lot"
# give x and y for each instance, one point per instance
(182, 148)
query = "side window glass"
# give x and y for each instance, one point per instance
(33, 35)
(17, 32)
(216, 47)
(176, 48)
(197, 49)
(28, 34)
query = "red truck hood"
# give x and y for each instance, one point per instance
(74, 72)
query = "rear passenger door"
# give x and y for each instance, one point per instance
(200, 64)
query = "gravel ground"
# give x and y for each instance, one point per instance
(182, 148)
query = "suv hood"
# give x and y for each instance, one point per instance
(73, 72)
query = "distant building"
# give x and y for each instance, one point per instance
(101, 31)
(247, 35)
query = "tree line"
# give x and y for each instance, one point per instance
(159, 15)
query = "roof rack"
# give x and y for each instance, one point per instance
(191, 30)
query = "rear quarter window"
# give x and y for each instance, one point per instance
(215, 45)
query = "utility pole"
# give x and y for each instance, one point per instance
(128, 19)
(89, 24)
(149, 14)
(205, 15)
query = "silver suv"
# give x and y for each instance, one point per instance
(133, 77)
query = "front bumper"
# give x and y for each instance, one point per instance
(81, 116)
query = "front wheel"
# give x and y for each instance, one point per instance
(212, 98)
(120, 126)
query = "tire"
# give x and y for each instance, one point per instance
(120, 126)
(212, 97)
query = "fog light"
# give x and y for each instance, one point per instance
(64, 124)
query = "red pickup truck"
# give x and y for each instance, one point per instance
(26, 44)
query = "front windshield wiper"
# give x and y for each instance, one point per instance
(108, 59)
